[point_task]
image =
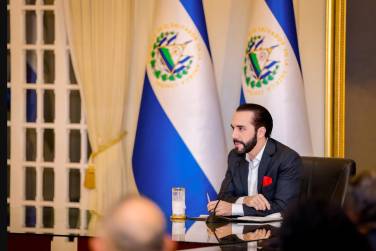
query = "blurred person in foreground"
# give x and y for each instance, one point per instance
(317, 225)
(360, 205)
(133, 224)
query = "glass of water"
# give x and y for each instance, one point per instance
(178, 203)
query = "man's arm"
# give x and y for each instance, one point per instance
(228, 190)
(287, 189)
(227, 193)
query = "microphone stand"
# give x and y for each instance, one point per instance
(216, 219)
(213, 218)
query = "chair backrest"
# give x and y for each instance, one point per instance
(326, 178)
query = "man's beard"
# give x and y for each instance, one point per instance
(248, 146)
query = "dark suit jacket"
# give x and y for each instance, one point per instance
(282, 164)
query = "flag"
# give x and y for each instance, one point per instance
(271, 74)
(180, 138)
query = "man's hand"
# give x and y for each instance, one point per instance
(257, 201)
(223, 231)
(224, 208)
(259, 234)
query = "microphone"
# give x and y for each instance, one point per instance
(217, 219)
(213, 218)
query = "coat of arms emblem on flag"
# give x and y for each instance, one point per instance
(265, 60)
(174, 55)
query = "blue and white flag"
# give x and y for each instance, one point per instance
(180, 138)
(271, 74)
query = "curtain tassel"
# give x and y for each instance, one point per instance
(90, 182)
(90, 177)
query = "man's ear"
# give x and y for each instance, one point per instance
(261, 132)
(168, 244)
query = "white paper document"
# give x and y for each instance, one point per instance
(268, 218)
(251, 219)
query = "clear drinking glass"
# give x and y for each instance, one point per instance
(178, 202)
(178, 231)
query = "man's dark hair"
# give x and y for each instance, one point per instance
(360, 204)
(262, 117)
(361, 197)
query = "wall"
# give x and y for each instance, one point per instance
(361, 84)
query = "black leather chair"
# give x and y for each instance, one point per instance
(326, 179)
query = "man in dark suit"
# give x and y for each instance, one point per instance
(263, 175)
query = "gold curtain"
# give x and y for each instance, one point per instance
(99, 33)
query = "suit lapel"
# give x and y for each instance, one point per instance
(265, 160)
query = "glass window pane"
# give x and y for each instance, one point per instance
(31, 66)
(30, 183)
(8, 66)
(30, 27)
(88, 217)
(74, 218)
(72, 76)
(8, 27)
(8, 181)
(48, 2)
(48, 27)
(8, 103)
(30, 216)
(48, 184)
(48, 145)
(48, 217)
(31, 105)
(49, 106)
(49, 66)
(31, 144)
(8, 141)
(88, 147)
(74, 185)
(74, 106)
(74, 145)
(8, 215)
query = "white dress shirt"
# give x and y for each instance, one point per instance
(237, 207)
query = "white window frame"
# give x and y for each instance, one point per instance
(61, 124)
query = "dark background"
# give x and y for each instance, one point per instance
(360, 127)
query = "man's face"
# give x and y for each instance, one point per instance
(244, 133)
